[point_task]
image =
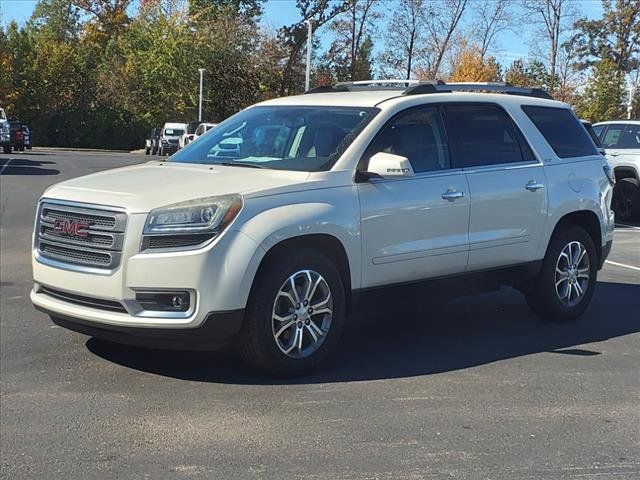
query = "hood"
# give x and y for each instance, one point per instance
(140, 188)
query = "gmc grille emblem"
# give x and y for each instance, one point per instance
(73, 228)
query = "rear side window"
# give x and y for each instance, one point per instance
(622, 136)
(562, 130)
(482, 135)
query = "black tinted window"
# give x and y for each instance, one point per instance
(622, 136)
(418, 134)
(482, 135)
(562, 130)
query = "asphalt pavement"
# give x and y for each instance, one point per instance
(472, 388)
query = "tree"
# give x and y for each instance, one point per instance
(552, 16)
(442, 20)
(294, 38)
(470, 66)
(404, 33)
(616, 36)
(352, 30)
(491, 18)
(602, 96)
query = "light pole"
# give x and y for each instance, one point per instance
(201, 70)
(307, 76)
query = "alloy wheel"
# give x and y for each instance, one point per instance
(572, 273)
(302, 314)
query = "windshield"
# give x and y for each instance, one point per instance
(172, 132)
(305, 139)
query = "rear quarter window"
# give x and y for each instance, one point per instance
(562, 130)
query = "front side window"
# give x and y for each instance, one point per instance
(417, 134)
(482, 135)
(622, 136)
(562, 130)
(297, 138)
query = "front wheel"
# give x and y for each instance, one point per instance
(295, 314)
(564, 287)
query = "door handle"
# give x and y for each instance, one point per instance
(452, 195)
(532, 186)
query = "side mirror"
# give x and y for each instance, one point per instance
(388, 165)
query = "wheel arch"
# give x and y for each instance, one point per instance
(326, 244)
(624, 171)
(586, 219)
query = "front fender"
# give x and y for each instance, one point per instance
(271, 220)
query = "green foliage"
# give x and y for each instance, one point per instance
(602, 99)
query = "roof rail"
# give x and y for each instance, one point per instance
(497, 87)
(421, 87)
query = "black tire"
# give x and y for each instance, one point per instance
(626, 199)
(257, 345)
(6, 150)
(147, 151)
(542, 296)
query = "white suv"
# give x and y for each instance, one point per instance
(270, 229)
(621, 141)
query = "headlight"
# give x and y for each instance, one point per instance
(202, 216)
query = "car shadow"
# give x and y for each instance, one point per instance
(21, 166)
(417, 340)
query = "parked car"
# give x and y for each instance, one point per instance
(188, 134)
(16, 134)
(170, 138)
(26, 134)
(621, 141)
(202, 129)
(152, 143)
(329, 199)
(5, 133)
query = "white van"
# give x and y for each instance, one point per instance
(170, 138)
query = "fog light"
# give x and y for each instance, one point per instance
(164, 301)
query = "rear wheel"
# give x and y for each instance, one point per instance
(147, 151)
(295, 314)
(6, 149)
(564, 287)
(626, 199)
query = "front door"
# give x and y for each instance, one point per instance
(414, 228)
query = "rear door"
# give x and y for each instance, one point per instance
(506, 185)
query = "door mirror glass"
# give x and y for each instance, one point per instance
(388, 165)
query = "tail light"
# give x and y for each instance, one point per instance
(610, 175)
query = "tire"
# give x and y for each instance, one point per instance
(6, 150)
(544, 297)
(626, 199)
(147, 151)
(257, 343)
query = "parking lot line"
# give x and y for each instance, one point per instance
(622, 265)
(5, 166)
(627, 227)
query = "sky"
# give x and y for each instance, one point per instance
(509, 46)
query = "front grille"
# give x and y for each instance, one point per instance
(81, 236)
(76, 299)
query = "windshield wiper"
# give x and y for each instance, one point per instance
(242, 164)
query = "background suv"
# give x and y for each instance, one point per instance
(170, 138)
(272, 227)
(621, 141)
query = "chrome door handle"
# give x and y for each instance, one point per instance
(532, 186)
(452, 195)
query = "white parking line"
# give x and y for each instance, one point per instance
(622, 265)
(5, 166)
(626, 227)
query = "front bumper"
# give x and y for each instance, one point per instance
(217, 331)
